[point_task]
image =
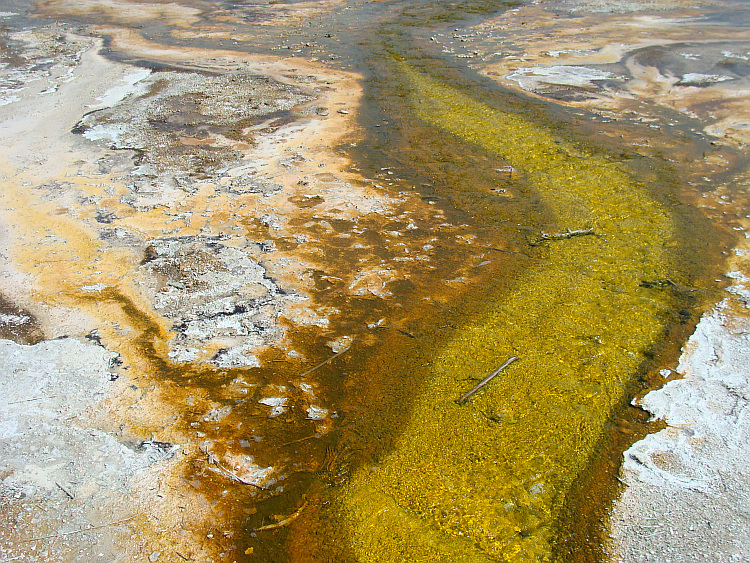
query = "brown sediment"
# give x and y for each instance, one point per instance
(56, 246)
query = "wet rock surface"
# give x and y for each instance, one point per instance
(181, 130)
(178, 223)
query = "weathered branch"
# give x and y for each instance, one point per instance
(221, 470)
(285, 521)
(324, 362)
(486, 380)
(546, 237)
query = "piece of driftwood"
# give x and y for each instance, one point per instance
(546, 237)
(285, 521)
(324, 362)
(486, 380)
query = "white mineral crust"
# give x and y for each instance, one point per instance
(688, 486)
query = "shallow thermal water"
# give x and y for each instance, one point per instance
(559, 196)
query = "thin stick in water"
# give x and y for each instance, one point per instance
(486, 380)
(285, 521)
(221, 470)
(324, 362)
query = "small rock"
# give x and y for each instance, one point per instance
(154, 556)
(316, 413)
(215, 415)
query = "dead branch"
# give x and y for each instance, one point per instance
(486, 380)
(221, 470)
(546, 237)
(285, 521)
(321, 364)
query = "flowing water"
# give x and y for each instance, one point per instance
(567, 235)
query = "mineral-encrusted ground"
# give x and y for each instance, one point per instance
(687, 485)
(61, 473)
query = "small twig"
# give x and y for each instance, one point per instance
(486, 380)
(29, 400)
(221, 470)
(285, 521)
(301, 440)
(81, 530)
(63, 489)
(506, 251)
(567, 234)
(183, 557)
(405, 333)
(321, 364)
(561, 236)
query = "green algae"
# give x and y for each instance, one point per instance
(487, 481)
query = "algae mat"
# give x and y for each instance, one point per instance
(486, 481)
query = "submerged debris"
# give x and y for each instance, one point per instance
(545, 237)
(285, 521)
(486, 380)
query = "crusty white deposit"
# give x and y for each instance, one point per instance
(52, 457)
(688, 486)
